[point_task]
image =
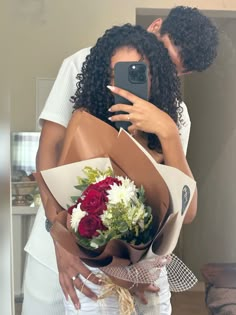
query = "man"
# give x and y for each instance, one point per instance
(190, 37)
(191, 40)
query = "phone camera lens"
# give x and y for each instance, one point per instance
(141, 77)
(137, 73)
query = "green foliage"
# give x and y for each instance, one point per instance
(141, 194)
(91, 176)
(74, 198)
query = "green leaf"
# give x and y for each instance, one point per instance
(81, 187)
(74, 198)
(84, 242)
(123, 227)
(141, 194)
(99, 240)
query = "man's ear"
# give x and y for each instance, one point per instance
(155, 26)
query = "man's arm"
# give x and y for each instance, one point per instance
(50, 145)
(54, 120)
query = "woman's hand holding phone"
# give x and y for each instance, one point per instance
(133, 77)
(142, 115)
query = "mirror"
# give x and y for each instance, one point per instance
(42, 42)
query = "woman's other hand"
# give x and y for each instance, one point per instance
(136, 289)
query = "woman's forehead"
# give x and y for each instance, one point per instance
(125, 54)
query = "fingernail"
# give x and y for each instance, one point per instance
(109, 109)
(112, 88)
(77, 306)
(110, 118)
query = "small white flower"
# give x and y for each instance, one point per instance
(76, 216)
(106, 217)
(94, 245)
(136, 214)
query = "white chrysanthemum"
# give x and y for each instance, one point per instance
(127, 183)
(76, 216)
(125, 192)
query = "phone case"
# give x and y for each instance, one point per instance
(123, 79)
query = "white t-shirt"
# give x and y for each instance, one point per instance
(58, 107)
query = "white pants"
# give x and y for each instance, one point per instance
(158, 303)
(43, 294)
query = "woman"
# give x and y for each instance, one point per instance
(154, 123)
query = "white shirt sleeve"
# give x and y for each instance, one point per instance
(184, 125)
(58, 107)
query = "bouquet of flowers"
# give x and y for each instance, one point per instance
(109, 207)
(127, 210)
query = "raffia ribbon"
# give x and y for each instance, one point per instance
(125, 299)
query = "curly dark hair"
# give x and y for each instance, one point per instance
(92, 93)
(195, 35)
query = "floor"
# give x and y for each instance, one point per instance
(184, 303)
(189, 303)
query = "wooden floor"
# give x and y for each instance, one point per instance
(184, 303)
(188, 303)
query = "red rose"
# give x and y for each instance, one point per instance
(89, 225)
(103, 185)
(94, 202)
(106, 183)
(91, 186)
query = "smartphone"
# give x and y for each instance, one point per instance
(132, 77)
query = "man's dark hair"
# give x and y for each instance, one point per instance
(194, 34)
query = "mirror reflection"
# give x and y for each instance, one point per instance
(209, 97)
